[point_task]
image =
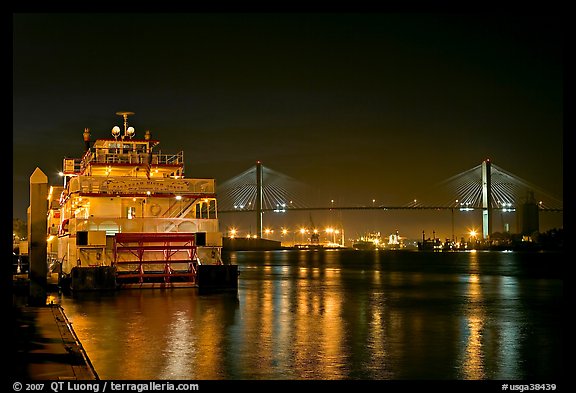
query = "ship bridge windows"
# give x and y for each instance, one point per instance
(205, 208)
(140, 147)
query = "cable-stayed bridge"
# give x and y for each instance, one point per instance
(485, 187)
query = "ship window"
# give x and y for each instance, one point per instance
(212, 209)
(131, 212)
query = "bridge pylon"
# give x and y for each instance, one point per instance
(486, 198)
(259, 199)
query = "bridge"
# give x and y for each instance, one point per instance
(485, 187)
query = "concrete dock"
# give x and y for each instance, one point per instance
(45, 347)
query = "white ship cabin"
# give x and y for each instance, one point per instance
(123, 184)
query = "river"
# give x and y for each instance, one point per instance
(338, 314)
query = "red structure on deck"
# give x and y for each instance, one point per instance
(136, 257)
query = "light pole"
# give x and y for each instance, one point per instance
(330, 231)
(302, 232)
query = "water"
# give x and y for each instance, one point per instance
(340, 314)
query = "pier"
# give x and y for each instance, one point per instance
(45, 346)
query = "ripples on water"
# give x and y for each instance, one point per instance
(339, 314)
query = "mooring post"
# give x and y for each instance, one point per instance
(37, 242)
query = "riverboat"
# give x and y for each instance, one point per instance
(127, 216)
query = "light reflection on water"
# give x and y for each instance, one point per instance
(337, 315)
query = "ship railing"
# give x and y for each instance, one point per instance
(53, 262)
(113, 225)
(172, 159)
(132, 157)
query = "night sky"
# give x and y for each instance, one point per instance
(359, 106)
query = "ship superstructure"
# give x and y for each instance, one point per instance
(127, 205)
(369, 241)
(374, 241)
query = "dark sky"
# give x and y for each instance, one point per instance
(357, 105)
